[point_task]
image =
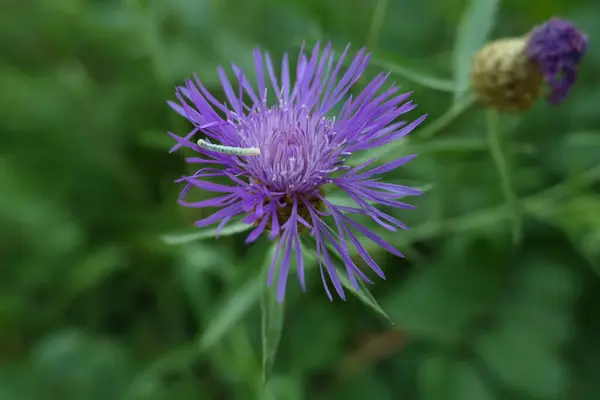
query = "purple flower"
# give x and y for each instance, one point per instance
(302, 150)
(557, 47)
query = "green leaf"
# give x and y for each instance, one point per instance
(196, 262)
(455, 111)
(501, 164)
(364, 386)
(439, 300)
(363, 294)
(235, 308)
(428, 81)
(573, 152)
(534, 324)
(461, 145)
(442, 145)
(377, 23)
(285, 387)
(225, 317)
(580, 219)
(86, 367)
(476, 25)
(272, 318)
(181, 238)
(518, 358)
(148, 382)
(443, 377)
(94, 269)
(325, 351)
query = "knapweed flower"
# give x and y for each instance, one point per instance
(508, 74)
(279, 158)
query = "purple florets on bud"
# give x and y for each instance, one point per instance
(557, 47)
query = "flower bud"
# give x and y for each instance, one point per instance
(503, 78)
(509, 74)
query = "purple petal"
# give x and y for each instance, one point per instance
(230, 211)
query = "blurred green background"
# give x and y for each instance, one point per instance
(94, 305)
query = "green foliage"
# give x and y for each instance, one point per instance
(501, 164)
(100, 301)
(443, 377)
(272, 318)
(473, 32)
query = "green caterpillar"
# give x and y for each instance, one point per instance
(238, 151)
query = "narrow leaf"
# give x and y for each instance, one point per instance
(476, 25)
(379, 15)
(232, 311)
(455, 111)
(94, 269)
(439, 145)
(272, 318)
(225, 317)
(522, 357)
(442, 377)
(579, 219)
(362, 294)
(503, 174)
(425, 80)
(201, 234)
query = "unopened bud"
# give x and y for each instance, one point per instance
(508, 74)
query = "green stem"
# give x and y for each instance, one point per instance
(501, 164)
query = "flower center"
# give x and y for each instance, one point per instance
(298, 149)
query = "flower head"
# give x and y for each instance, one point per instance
(300, 149)
(508, 74)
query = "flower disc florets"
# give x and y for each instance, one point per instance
(298, 148)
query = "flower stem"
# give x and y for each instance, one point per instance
(501, 164)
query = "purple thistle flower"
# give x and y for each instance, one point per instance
(302, 149)
(556, 47)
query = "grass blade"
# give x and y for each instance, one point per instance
(272, 318)
(201, 234)
(376, 23)
(428, 81)
(447, 118)
(473, 32)
(235, 308)
(363, 294)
